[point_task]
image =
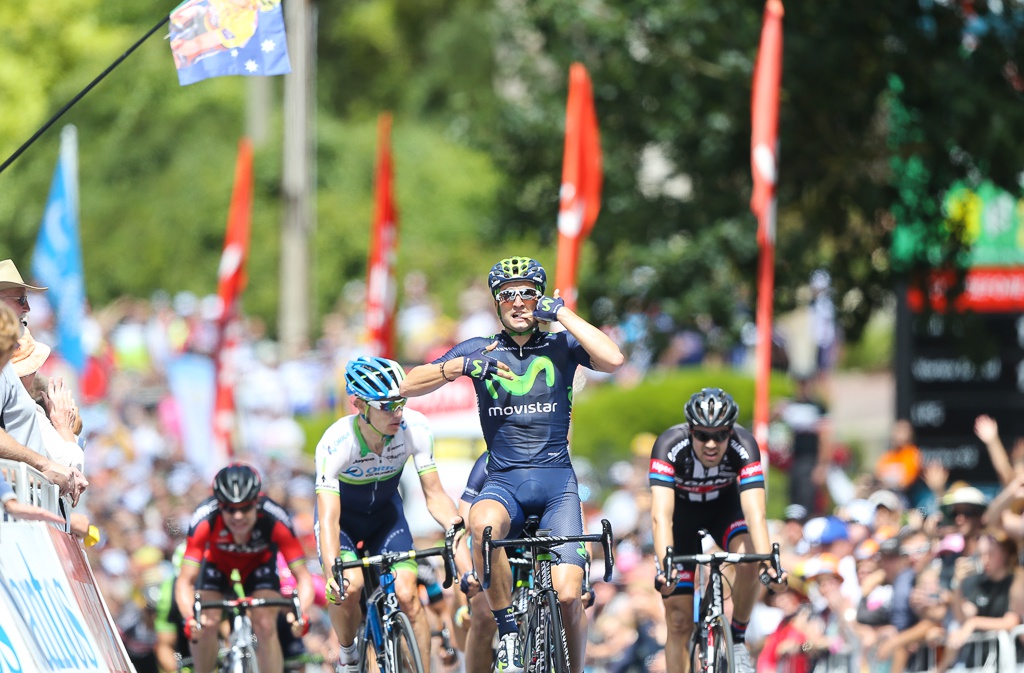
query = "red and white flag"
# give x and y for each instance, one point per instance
(764, 143)
(380, 282)
(580, 195)
(231, 279)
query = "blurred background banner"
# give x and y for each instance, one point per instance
(191, 379)
(230, 284)
(764, 142)
(580, 194)
(57, 262)
(381, 290)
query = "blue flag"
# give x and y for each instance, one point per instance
(57, 261)
(213, 38)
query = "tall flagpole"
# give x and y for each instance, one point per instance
(764, 167)
(296, 286)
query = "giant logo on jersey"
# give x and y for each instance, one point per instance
(521, 385)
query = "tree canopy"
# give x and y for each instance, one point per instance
(478, 92)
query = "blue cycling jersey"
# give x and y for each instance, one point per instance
(525, 421)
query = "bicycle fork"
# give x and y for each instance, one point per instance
(707, 643)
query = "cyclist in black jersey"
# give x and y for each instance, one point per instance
(706, 474)
(523, 379)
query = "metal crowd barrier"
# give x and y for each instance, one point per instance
(32, 488)
(986, 652)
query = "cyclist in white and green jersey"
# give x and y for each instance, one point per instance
(359, 462)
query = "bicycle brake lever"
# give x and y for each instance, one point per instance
(486, 548)
(450, 571)
(607, 544)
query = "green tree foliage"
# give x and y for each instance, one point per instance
(478, 92)
(675, 78)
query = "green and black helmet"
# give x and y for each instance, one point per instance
(517, 268)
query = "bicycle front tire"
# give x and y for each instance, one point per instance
(403, 645)
(242, 661)
(717, 648)
(544, 645)
(369, 658)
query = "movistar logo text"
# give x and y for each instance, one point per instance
(532, 408)
(523, 384)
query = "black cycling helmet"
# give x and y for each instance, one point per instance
(517, 268)
(236, 484)
(711, 408)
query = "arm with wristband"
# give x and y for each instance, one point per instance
(470, 358)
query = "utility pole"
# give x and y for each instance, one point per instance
(257, 109)
(296, 290)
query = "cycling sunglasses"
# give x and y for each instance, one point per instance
(705, 436)
(244, 507)
(388, 405)
(527, 294)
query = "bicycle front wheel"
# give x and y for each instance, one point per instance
(718, 648)
(545, 649)
(370, 660)
(404, 651)
(242, 660)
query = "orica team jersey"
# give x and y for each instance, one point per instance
(345, 464)
(674, 465)
(525, 421)
(211, 542)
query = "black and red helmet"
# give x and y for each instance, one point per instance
(236, 484)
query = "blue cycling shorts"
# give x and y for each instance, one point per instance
(550, 493)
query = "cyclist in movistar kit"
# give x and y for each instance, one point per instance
(706, 474)
(359, 462)
(523, 378)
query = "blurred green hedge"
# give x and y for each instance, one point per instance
(607, 418)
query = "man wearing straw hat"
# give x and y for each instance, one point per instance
(21, 437)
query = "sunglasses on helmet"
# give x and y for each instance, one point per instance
(527, 294)
(388, 405)
(705, 436)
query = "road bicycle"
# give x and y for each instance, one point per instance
(386, 640)
(541, 633)
(711, 643)
(240, 654)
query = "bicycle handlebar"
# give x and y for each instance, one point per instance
(388, 559)
(247, 602)
(717, 559)
(547, 542)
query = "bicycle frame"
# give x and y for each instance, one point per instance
(241, 642)
(540, 620)
(712, 630)
(382, 609)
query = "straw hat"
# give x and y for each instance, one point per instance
(29, 356)
(9, 277)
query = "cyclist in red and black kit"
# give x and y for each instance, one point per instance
(706, 474)
(239, 528)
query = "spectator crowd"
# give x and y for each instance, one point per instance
(894, 564)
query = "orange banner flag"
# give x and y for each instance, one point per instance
(580, 195)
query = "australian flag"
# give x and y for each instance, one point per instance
(213, 38)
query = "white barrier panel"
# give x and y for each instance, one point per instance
(55, 633)
(16, 655)
(90, 602)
